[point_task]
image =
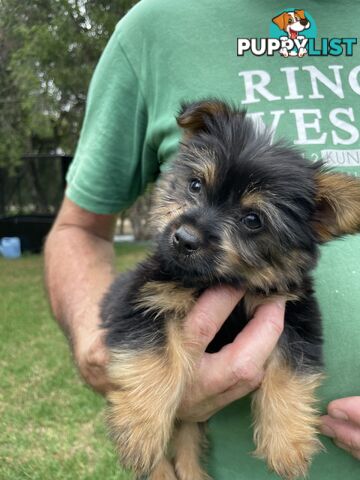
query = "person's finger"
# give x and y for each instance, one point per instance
(355, 453)
(207, 316)
(240, 364)
(345, 409)
(240, 390)
(343, 431)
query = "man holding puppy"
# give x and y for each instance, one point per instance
(152, 62)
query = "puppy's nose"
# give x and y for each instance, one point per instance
(186, 240)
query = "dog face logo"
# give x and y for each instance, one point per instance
(293, 23)
(293, 33)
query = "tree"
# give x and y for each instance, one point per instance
(48, 51)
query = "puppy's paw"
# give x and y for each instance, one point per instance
(142, 409)
(286, 419)
(292, 460)
(140, 435)
(163, 471)
(189, 444)
(190, 472)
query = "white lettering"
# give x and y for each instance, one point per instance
(262, 49)
(243, 44)
(344, 158)
(316, 75)
(345, 126)
(257, 118)
(354, 79)
(287, 43)
(251, 86)
(273, 45)
(300, 42)
(276, 114)
(291, 82)
(303, 126)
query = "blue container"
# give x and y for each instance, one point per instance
(10, 247)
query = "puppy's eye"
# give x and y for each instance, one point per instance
(290, 20)
(195, 185)
(252, 221)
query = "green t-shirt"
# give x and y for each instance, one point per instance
(167, 51)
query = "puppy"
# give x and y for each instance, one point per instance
(292, 23)
(233, 209)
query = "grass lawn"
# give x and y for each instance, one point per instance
(52, 426)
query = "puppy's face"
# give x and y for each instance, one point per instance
(292, 22)
(234, 208)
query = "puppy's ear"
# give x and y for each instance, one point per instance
(281, 20)
(194, 116)
(338, 205)
(301, 13)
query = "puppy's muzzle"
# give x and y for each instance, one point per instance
(186, 240)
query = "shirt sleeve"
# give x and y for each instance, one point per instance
(113, 161)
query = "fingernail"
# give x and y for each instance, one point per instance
(338, 414)
(326, 430)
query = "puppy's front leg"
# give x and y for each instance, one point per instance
(142, 410)
(164, 470)
(286, 420)
(189, 442)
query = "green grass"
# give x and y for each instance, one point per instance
(51, 425)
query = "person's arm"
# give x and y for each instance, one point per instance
(79, 267)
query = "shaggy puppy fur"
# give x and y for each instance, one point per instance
(232, 209)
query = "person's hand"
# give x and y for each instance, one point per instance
(92, 357)
(342, 424)
(238, 368)
(220, 378)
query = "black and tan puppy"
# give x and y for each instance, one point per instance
(232, 209)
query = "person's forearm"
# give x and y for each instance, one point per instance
(79, 267)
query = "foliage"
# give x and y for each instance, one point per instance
(139, 215)
(48, 51)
